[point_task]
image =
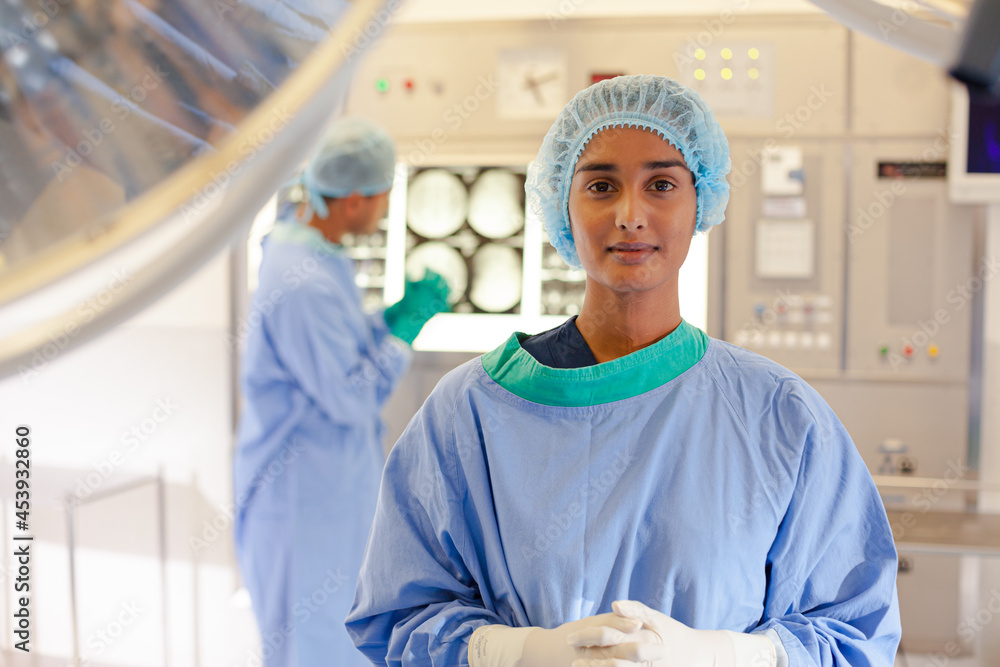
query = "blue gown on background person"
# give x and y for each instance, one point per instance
(309, 448)
(692, 475)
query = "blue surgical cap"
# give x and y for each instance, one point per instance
(355, 156)
(657, 103)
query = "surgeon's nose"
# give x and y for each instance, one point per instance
(630, 215)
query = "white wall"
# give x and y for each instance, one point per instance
(154, 392)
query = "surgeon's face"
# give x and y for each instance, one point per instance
(632, 211)
(370, 211)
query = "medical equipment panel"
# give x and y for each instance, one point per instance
(783, 260)
(912, 274)
(452, 95)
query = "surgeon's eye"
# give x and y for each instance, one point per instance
(600, 186)
(662, 185)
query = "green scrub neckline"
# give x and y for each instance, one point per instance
(514, 369)
(296, 232)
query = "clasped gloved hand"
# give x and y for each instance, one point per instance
(422, 300)
(670, 643)
(502, 646)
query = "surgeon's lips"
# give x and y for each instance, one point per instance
(632, 253)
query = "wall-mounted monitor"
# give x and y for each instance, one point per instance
(974, 164)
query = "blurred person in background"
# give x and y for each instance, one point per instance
(315, 375)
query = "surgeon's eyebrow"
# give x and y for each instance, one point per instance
(606, 166)
(666, 164)
(596, 166)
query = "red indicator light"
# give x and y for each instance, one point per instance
(594, 78)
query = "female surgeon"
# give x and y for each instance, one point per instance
(624, 490)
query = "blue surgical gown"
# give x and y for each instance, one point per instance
(697, 477)
(315, 374)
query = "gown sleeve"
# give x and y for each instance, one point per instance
(831, 595)
(320, 348)
(417, 600)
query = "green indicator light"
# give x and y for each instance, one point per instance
(382, 85)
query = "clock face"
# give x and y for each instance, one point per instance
(532, 83)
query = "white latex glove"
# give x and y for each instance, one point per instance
(673, 644)
(503, 646)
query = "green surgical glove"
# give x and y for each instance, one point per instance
(422, 299)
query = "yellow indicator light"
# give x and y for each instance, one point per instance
(753, 73)
(727, 73)
(727, 54)
(933, 351)
(699, 74)
(700, 54)
(753, 53)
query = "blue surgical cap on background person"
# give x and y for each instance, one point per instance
(660, 104)
(355, 155)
